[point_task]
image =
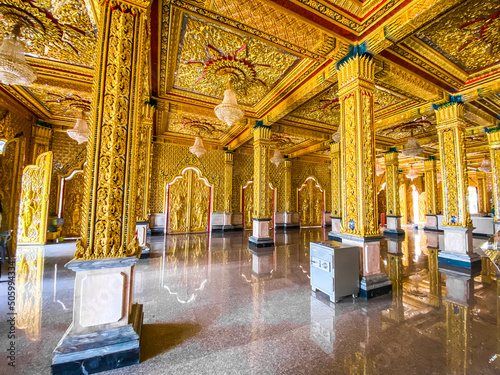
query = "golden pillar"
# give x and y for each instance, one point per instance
(228, 181)
(482, 193)
(359, 205)
(432, 204)
(261, 210)
(108, 249)
(457, 223)
(40, 141)
(113, 148)
(494, 142)
(336, 212)
(392, 193)
(288, 186)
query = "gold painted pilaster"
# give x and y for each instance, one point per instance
(432, 207)
(451, 128)
(392, 183)
(228, 181)
(40, 142)
(336, 211)
(288, 185)
(110, 194)
(145, 150)
(261, 144)
(494, 142)
(482, 193)
(435, 297)
(359, 205)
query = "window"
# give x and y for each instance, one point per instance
(473, 200)
(2, 145)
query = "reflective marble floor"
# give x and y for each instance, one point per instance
(211, 307)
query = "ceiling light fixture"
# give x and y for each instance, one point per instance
(229, 111)
(412, 148)
(485, 166)
(412, 174)
(80, 132)
(13, 67)
(277, 158)
(198, 149)
(336, 137)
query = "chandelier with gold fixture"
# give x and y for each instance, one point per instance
(14, 70)
(80, 132)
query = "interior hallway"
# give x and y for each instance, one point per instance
(209, 313)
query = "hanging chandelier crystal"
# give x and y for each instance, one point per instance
(80, 132)
(198, 149)
(229, 111)
(336, 137)
(412, 148)
(277, 157)
(412, 174)
(13, 67)
(379, 170)
(485, 166)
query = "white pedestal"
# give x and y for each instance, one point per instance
(141, 231)
(222, 222)
(431, 223)
(260, 237)
(458, 248)
(334, 234)
(106, 326)
(394, 226)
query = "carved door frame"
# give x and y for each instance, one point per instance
(273, 208)
(180, 175)
(61, 189)
(318, 185)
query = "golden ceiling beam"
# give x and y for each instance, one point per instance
(317, 135)
(325, 145)
(240, 139)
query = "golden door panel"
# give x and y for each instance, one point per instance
(188, 204)
(248, 206)
(310, 204)
(72, 205)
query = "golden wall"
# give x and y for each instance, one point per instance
(168, 162)
(242, 173)
(301, 170)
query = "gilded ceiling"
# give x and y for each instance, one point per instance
(196, 124)
(210, 55)
(468, 35)
(63, 102)
(59, 30)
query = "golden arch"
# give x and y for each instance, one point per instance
(311, 203)
(188, 202)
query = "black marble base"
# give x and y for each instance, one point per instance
(222, 228)
(260, 242)
(157, 231)
(394, 232)
(100, 351)
(334, 236)
(145, 252)
(433, 229)
(291, 226)
(376, 292)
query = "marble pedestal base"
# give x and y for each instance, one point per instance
(334, 234)
(141, 231)
(431, 223)
(373, 283)
(458, 249)
(106, 328)
(496, 226)
(260, 233)
(222, 222)
(394, 226)
(287, 220)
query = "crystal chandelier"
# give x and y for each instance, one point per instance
(80, 132)
(485, 166)
(336, 137)
(13, 67)
(379, 170)
(277, 157)
(412, 148)
(229, 111)
(412, 174)
(198, 149)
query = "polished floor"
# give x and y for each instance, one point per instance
(212, 307)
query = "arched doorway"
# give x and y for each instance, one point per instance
(70, 198)
(247, 204)
(188, 202)
(311, 203)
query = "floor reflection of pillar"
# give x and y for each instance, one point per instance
(435, 297)
(262, 263)
(395, 273)
(459, 303)
(106, 326)
(374, 283)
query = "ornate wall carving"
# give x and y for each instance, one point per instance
(34, 201)
(242, 172)
(311, 201)
(72, 205)
(301, 170)
(10, 180)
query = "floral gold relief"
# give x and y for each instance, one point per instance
(432, 206)
(34, 201)
(392, 183)
(494, 142)
(262, 136)
(359, 205)
(336, 210)
(310, 204)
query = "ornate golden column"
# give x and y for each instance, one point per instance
(494, 143)
(291, 216)
(228, 191)
(393, 213)
(356, 87)
(357, 168)
(108, 250)
(457, 224)
(336, 212)
(261, 213)
(40, 141)
(432, 206)
(483, 203)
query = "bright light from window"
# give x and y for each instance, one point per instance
(416, 218)
(473, 200)
(2, 145)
